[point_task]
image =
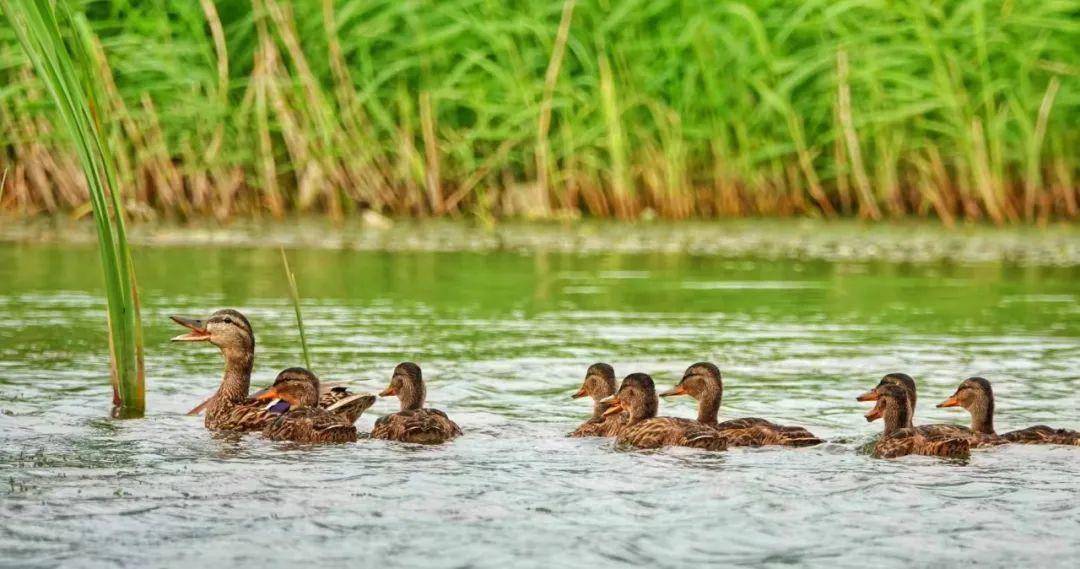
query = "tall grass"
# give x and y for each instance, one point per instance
(957, 109)
(73, 89)
(294, 294)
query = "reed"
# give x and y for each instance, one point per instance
(294, 293)
(76, 93)
(958, 109)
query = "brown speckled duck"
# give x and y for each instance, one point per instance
(231, 408)
(599, 384)
(637, 397)
(898, 440)
(294, 399)
(976, 395)
(702, 381)
(414, 423)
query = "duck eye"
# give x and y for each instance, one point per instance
(228, 320)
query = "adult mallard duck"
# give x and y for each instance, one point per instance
(294, 399)
(976, 395)
(702, 382)
(898, 440)
(599, 384)
(231, 408)
(414, 423)
(643, 429)
(908, 384)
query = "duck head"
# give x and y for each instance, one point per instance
(891, 405)
(407, 384)
(636, 396)
(296, 386)
(903, 381)
(227, 329)
(975, 395)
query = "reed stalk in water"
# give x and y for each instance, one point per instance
(295, 294)
(76, 94)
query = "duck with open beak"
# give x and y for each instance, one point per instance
(413, 423)
(227, 409)
(977, 396)
(702, 381)
(637, 398)
(599, 384)
(890, 404)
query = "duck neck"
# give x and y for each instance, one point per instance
(237, 381)
(896, 417)
(643, 410)
(598, 408)
(412, 395)
(982, 416)
(709, 407)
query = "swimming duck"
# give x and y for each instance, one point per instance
(599, 384)
(702, 381)
(976, 395)
(294, 399)
(643, 429)
(908, 384)
(231, 408)
(414, 423)
(898, 440)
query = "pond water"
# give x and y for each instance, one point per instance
(504, 339)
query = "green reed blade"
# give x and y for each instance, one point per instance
(295, 294)
(70, 85)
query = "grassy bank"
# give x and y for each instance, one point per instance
(953, 110)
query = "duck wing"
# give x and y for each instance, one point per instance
(422, 426)
(1043, 435)
(310, 425)
(751, 431)
(608, 426)
(672, 431)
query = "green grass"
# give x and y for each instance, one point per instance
(955, 109)
(75, 95)
(294, 293)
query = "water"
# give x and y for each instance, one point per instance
(504, 339)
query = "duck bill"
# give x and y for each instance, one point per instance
(952, 401)
(264, 394)
(388, 392)
(615, 406)
(677, 390)
(875, 413)
(871, 395)
(198, 330)
(580, 393)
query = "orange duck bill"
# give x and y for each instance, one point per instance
(198, 330)
(388, 392)
(616, 405)
(877, 412)
(871, 395)
(677, 390)
(952, 401)
(580, 393)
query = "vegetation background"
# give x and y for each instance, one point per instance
(631, 108)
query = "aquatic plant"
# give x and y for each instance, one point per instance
(294, 293)
(75, 92)
(957, 109)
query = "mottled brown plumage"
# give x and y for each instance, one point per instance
(643, 429)
(599, 384)
(899, 440)
(702, 381)
(295, 398)
(231, 408)
(414, 423)
(977, 396)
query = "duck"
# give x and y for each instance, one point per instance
(294, 400)
(899, 440)
(702, 381)
(907, 383)
(977, 396)
(231, 407)
(414, 423)
(643, 429)
(599, 384)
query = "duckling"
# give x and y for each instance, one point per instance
(702, 381)
(230, 407)
(414, 423)
(643, 429)
(294, 397)
(599, 383)
(898, 440)
(976, 395)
